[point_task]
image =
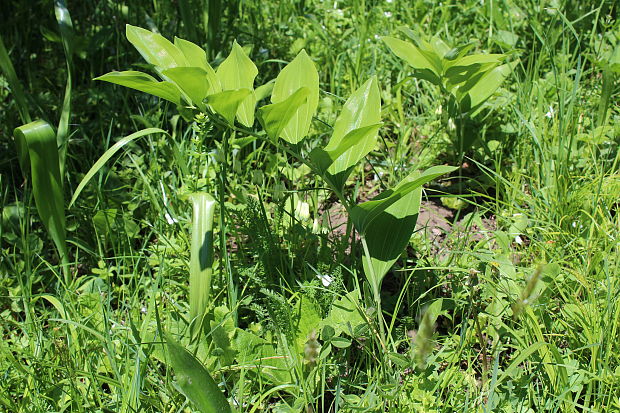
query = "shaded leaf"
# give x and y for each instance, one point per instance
(389, 233)
(363, 214)
(227, 103)
(201, 256)
(40, 139)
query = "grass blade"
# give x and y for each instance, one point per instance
(107, 155)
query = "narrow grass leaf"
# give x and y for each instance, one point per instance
(277, 116)
(195, 381)
(144, 83)
(300, 73)
(65, 26)
(107, 155)
(22, 106)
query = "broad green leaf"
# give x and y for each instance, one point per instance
(239, 72)
(300, 73)
(389, 233)
(477, 90)
(353, 147)
(194, 54)
(365, 213)
(193, 81)
(227, 103)
(154, 48)
(363, 108)
(276, 116)
(40, 139)
(144, 83)
(195, 381)
(107, 155)
(428, 67)
(201, 256)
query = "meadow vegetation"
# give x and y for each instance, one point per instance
(310, 206)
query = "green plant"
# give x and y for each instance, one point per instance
(467, 80)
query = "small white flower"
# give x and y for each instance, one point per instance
(519, 240)
(387, 14)
(325, 279)
(550, 113)
(143, 309)
(377, 37)
(389, 1)
(451, 124)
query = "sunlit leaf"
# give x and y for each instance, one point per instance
(478, 89)
(276, 116)
(300, 73)
(194, 54)
(363, 108)
(195, 381)
(238, 72)
(154, 48)
(144, 83)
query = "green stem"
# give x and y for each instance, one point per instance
(225, 264)
(376, 292)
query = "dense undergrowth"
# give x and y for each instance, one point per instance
(505, 297)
